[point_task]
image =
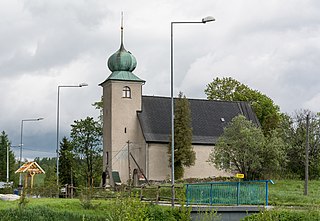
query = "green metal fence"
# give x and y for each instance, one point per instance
(228, 193)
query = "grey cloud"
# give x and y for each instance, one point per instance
(272, 46)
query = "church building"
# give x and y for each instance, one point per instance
(137, 128)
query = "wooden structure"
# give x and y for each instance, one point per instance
(30, 169)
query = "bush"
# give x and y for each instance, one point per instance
(129, 209)
(44, 214)
(133, 209)
(285, 215)
(7, 190)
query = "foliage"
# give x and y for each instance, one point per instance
(229, 89)
(4, 144)
(133, 209)
(290, 193)
(23, 201)
(86, 199)
(130, 209)
(87, 139)
(287, 195)
(99, 106)
(49, 166)
(208, 216)
(284, 215)
(66, 162)
(45, 190)
(243, 148)
(184, 154)
(44, 214)
(297, 144)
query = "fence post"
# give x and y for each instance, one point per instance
(158, 195)
(187, 190)
(211, 194)
(141, 195)
(267, 192)
(238, 193)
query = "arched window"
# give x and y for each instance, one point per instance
(126, 92)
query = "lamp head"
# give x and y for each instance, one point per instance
(83, 85)
(40, 118)
(208, 19)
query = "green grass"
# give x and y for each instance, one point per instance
(290, 203)
(112, 209)
(291, 193)
(286, 195)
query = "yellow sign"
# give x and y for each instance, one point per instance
(240, 175)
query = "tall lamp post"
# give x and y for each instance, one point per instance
(203, 21)
(21, 143)
(58, 121)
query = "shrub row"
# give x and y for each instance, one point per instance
(43, 214)
(285, 215)
(118, 209)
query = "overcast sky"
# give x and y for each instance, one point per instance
(272, 46)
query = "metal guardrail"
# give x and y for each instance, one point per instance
(228, 193)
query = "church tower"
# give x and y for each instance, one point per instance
(122, 94)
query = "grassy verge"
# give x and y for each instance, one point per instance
(286, 195)
(290, 193)
(290, 202)
(72, 209)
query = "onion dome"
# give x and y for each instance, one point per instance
(122, 63)
(122, 60)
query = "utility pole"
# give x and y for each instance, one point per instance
(307, 157)
(7, 164)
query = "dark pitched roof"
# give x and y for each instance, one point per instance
(208, 118)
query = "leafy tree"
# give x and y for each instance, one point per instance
(243, 148)
(66, 162)
(184, 154)
(87, 139)
(229, 89)
(4, 144)
(99, 106)
(296, 131)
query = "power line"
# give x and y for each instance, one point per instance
(33, 150)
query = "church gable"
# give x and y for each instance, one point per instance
(208, 118)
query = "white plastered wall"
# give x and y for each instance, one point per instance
(158, 163)
(121, 125)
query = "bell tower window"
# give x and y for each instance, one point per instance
(126, 92)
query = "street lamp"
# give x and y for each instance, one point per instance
(203, 21)
(58, 113)
(21, 143)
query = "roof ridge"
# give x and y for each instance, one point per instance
(196, 99)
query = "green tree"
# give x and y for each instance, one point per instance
(243, 148)
(66, 162)
(87, 141)
(49, 166)
(229, 89)
(184, 154)
(295, 131)
(4, 144)
(98, 105)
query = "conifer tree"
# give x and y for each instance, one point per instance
(184, 154)
(4, 144)
(66, 161)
